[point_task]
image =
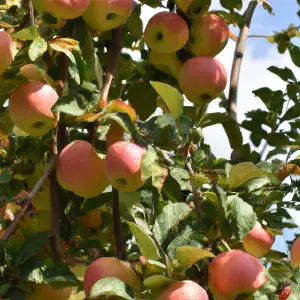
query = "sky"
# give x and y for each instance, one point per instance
(258, 56)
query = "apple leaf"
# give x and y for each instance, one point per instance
(69, 104)
(187, 256)
(144, 242)
(37, 48)
(172, 97)
(168, 218)
(243, 172)
(27, 34)
(111, 286)
(149, 158)
(156, 282)
(242, 213)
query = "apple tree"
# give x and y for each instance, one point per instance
(108, 187)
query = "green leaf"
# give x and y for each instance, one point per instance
(285, 74)
(122, 119)
(69, 104)
(230, 126)
(241, 173)
(172, 97)
(111, 286)
(149, 158)
(32, 245)
(156, 282)
(187, 256)
(171, 215)
(243, 214)
(292, 113)
(27, 34)
(5, 176)
(144, 242)
(182, 177)
(37, 48)
(295, 54)
(231, 4)
(135, 25)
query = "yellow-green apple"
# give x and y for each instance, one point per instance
(123, 166)
(295, 254)
(258, 241)
(168, 63)
(6, 50)
(183, 290)
(233, 273)
(166, 32)
(104, 15)
(183, 5)
(92, 219)
(30, 107)
(208, 35)
(109, 267)
(66, 9)
(80, 170)
(46, 292)
(59, 23)
(31, 72)
(202, 79)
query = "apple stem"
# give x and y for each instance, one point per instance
(31, 13)
(117, 224)
(48, 170)
(237, 61)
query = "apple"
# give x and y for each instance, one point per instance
(235, 272)
(167, 63)
(258, 241)
(183, 5)
(202, 79)
(123, 166)
(109, 267)
(31, 72)
(115, 134)
(166, 32)
(208, 35)
(66, 9)
(92, 219)
(285, 293)
(295, 253)
(30, 107)
(60, 23)
(104, 15)
(6, 50)
(183, 290)
(46, 292)
(80, 170)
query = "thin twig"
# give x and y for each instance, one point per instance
(237, 61)
(31, 13)
(11, 228)
(118, 225)
(259, 36)
(113, 63)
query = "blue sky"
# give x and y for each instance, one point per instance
(258, 56)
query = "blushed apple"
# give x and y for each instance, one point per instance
(6, 50)
(295, 253)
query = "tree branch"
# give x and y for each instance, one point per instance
(31, 13)
(11, 228)
(112, 65)
(237, 61)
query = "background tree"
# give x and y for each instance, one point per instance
(107, 186)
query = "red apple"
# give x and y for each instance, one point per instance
(295, 253)
(6, 50)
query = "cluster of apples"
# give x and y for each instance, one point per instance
(201, 78)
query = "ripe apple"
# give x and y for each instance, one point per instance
(208, 35)
(109, 267)
(166, 32)
(81, 170)
(202, 79)
(233, 273)
(295, 253)
(66, 9)
(30, 107)
(123, 166)
(183, 5)
(44, 291)
(31, 72)
(183, 290)
(6, 50)
(92, 219)
(167, 63)
(115, 134)
(104, 15)
(258, 241)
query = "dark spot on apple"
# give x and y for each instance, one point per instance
(112, 16)
(206, 98)
(159, 36)
(122, 181)
(38, 124)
